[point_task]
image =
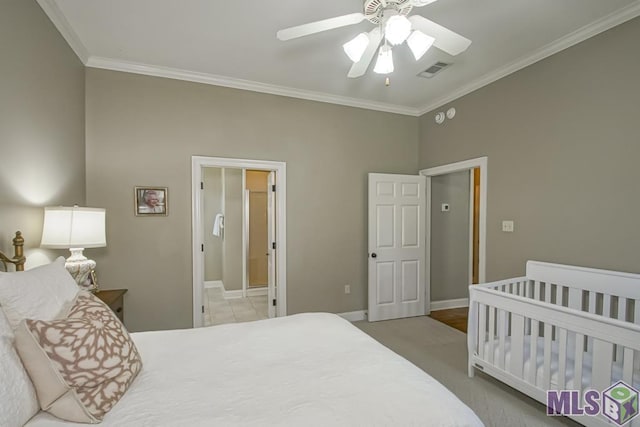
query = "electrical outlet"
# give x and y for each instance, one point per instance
(347, 289)
(507, 226)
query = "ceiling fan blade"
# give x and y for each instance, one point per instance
(446, 40)
(319, 26)
(359, 68)
(420, 3)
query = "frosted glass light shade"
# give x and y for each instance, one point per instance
(397, 29)
(356, 47)
(384, 64)
(73, 227)
(419, 43)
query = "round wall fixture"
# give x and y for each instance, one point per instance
(451, 113)
(440, 118)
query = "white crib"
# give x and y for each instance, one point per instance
(559, 327)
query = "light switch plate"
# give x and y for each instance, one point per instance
(507, 226)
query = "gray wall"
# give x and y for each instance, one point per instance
(450, 236)
(563, 141)
(232, 245)
(41, 124)
(212, 205)
(143, 131)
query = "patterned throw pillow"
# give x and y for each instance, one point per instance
(81, 365)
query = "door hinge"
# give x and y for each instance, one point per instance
(273, 245)
(203, 309)
(274, 302)
(273, 188)
(202, 185)
(202, 247)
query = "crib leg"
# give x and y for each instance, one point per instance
(471, 371)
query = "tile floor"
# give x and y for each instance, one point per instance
(218, 310)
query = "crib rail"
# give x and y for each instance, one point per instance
(522, 316)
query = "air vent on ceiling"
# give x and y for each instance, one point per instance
(433, 70)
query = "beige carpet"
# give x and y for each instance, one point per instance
(441, 351)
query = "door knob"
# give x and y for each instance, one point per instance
(374, 255)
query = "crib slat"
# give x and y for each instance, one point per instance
(482, 329)
(606, 306)
(627, 366)
(501, 337)
(492, 333)
(546, 371)
(517, 344)
(601, 366)
(577, 370)
(547, 292)
(533, 351)
(562, 359)
(559, 295)
(536, 290)
(622, 309)
(636, 312)
(575, 299)
(592, 302)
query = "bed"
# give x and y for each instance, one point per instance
(558, 328)
(305, 369)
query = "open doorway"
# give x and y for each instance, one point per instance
(456, 236)
(239, 246)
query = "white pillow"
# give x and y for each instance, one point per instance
(18, 400)
(40, 293)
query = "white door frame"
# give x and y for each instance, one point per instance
(198, 228)
(480, 162)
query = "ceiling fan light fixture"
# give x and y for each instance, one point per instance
(384, 64)
(419, 43)
(356, 47)
(397, 29)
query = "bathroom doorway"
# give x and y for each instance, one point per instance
(238, 240)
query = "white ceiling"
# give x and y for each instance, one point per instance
(233, 43)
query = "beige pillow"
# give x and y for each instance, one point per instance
(81, 365)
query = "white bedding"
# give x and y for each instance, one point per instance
(306, 369)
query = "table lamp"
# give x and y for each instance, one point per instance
(75, 228)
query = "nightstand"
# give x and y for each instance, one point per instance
(114, 298)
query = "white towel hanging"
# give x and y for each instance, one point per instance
(218, 225)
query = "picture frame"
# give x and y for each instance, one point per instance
(151, 201)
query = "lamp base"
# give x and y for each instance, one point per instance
(79, 266)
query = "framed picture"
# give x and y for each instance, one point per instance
(151, 201)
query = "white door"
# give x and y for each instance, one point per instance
(397, 206)
(271, 233)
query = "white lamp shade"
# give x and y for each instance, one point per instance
(419, 43)
(356, 47)
(397, 29)
(384, 64)
(73, 227)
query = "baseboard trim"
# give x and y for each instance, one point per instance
(213, 284)
(354, 316)
(449, 303)
(232, 294)
(257, 292)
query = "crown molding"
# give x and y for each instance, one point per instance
(56, 16)
(212, 79)
(601, 25)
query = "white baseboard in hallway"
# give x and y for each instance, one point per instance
(213, 284)
(449, 303)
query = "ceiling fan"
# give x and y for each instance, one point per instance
(394, 26)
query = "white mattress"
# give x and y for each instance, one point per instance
(616, 369)
(307, 369)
